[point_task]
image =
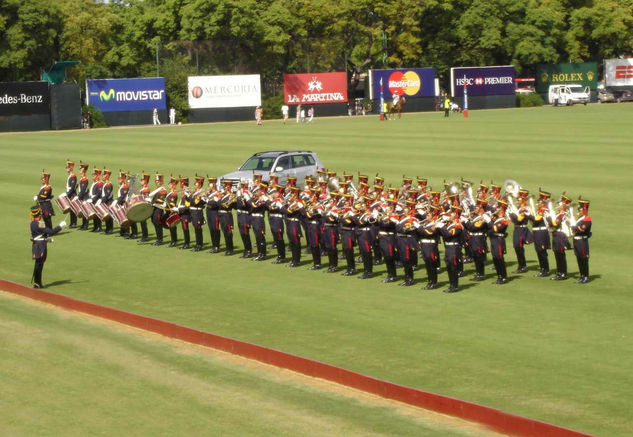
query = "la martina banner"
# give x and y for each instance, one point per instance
(584, 73)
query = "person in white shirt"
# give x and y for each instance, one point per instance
(172, 115)
(284, 112)
(303, 116)
(155, 119)
(310, 114)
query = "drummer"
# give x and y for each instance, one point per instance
(44, 197)
(197, 216)
(145, 193)
(106, 200)
(124, 189)
(83, 193)
(95, 195)
(71, 190)
(158, 202)
(172, 204)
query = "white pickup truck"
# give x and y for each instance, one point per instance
(568, 94)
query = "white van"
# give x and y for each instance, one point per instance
(568, 94)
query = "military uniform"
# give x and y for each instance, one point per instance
(158, 197)
(213, 215)
(451, 232)
(44, 197)
(276, 206)
(293, 210)
(582, 232)
(521, 234)
(39, 237)
(83, 193)
(257, 204)
(185, 213)
(243, 208)
(541, 234)
(145, 193)
(196, 208)
(313, 214)
(96, 190)
(365, 236)
(428, 239)
(331, 233)
(477, 228)
(106, 199)
(497, 235)
(560, 242)
(172, 205)
(348, 224)
(122, 193)
(386, 239)
(406, 240)
(226, 205)
(71, 191)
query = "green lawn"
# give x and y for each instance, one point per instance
(64, 375)
(558, 352)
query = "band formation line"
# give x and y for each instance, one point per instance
(394, 225)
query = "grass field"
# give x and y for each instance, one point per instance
(558, 352)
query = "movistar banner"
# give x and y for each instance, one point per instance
(409, 82)
(112, 95)
(583, 73)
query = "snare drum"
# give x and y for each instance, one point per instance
(139, 209)
(64, 203)
(172, 220)
(75, 205)
(118, 213)
(88, 210)
(102, 211)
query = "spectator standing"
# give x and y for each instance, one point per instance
(284, 112)
(155, 119)
(172, 115)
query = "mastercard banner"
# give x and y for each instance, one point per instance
(407, 82)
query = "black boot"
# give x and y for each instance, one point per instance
(173, 237)
(561, 266)
(453, 279)
(316, 259)
(503, 276)
(228, 241)
(332, 256)
(248, 247)
(408, 275)
(351, 263)
(367, 265)
(522, 265)
(390, 263)
(281, 252)
(186, 236)
(295, 251)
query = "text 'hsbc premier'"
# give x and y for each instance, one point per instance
(484, 80)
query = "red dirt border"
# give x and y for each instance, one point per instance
(491, 417)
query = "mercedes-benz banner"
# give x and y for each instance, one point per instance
(483, 81)
(24, 98)
(224, 91)
(408, 82)
(618, 72)
(113, 95)
(313, 88)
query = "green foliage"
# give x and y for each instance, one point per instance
(96, 116)
(529, 99)
(272, 106)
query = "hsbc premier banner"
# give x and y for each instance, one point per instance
(314, 88)
(224, 91)
(618, 72)
(408, 82)
(483, 81)
(113, 95)
(24, 98)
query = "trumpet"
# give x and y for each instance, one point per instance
(230, 201)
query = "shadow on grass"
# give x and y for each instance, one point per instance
(62, 282)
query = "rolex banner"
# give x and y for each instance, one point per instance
(313, 88)
(584, 74)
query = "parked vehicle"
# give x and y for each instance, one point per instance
(605, 95)
(568, 94)
(282, 163)
(623, 96)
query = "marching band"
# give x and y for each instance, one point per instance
(397, 225)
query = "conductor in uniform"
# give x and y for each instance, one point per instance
(39, 237)
(44, 199)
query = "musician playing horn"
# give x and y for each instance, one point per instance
(227, 203)
(257, 204)
(476, 226)
(521, 235)
(293, 210)
(558, 221)
(184, 211)
(581, 228)
(541, 233)
(243, 208)
(171, 202)
(497, 235)
(196, 205)
(451, 232)
(429, 234)
(213, 214)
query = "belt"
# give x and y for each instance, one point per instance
(495, 234)
(314, 222)
(476, 234)
(292, 219)
(427, 240)
(364, 229)
(385, 233)
(256, 214)
(404, 235)
(275, 215)
(222, 211)
(520, 226)
(331, 225)
(451, 244)
(345, 228)
(540, 228)
(580, 237)
(196, 209)
(241, 211)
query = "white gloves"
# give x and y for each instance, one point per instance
(62, 223)
(34, 198)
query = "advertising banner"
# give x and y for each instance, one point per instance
(408, 82)
(618, 72)
(584, 73)
(224, 91)
(314, 88)
(483, 81)
(115, 95)
(24, 98)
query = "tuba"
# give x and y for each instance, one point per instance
(511, 188)
(332, 184)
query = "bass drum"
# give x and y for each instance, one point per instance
(139, 209)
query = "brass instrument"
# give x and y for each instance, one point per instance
(230, 201)
(333, 184)
(511, 187)
(532, 208)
